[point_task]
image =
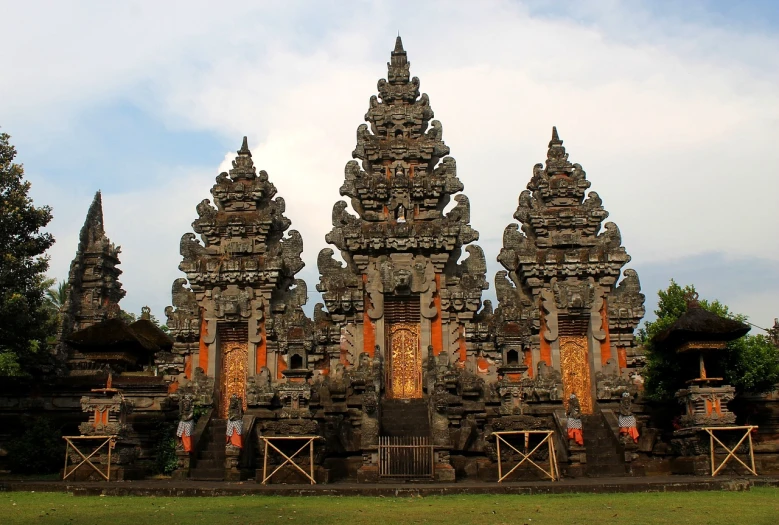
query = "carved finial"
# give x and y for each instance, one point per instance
(398, 66)
(146, 313)
(245, 148)
(398, 45)
(243, 166)
(691, 298)
(556, 157)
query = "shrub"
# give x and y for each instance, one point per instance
(38, 450)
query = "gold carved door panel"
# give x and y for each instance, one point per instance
(405, 373)
(234, 362)
(575, 365)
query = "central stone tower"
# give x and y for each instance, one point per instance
(402, 300)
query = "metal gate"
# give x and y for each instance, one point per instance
(405, 457)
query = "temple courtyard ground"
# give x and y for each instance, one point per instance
(756, 506)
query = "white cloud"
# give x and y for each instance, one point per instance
(674, 122)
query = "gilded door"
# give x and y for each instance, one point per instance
(405, 370)
(575, 365)
(234, 362)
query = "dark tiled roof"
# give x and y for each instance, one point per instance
(697, 324)
(114, 333)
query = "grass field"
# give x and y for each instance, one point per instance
(756, 507)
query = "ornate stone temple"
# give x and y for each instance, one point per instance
(404, 372)
(240, 317)
(403, 346)
(560, 284)
(401, 301)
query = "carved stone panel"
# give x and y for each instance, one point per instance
(234, 362)
(405, 369)
(575, 367)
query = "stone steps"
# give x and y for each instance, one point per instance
(605, 457)
(405, 418)
(210, 459)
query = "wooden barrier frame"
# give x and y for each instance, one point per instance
(553, 473)
(107, 440)
(309, 442)
(731, 451)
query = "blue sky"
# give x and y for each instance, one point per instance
(671, 107)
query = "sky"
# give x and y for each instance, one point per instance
(672, 109)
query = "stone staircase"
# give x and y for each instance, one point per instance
(405, 417)
(210, 458)
(605, 455)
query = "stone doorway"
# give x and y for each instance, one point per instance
(575, 362)
(233, 364)
(402, 343)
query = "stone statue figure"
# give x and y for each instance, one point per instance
(369, 427)
(627, 421)
(401, 215)
(235, 421)
(259, 390)
(574, 414)
(186, 423)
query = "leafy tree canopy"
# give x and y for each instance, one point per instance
(751, 363)
(25, 320)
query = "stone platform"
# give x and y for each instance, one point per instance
(185, 488)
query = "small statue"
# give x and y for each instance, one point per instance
(186, 422)
(627, 421)
(574, 414)
(401, 215)
(235, 421)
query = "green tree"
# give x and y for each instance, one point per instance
(25, 321)
(57, 293)
(751, 363)
(127, 317)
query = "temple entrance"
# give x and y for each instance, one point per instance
(234, 358)
(575, 367)
(404, 357)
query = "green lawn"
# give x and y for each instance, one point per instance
(756, 507)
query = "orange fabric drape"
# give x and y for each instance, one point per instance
(436, 325)
(262, 349)
(368, 328)
(576, 435)
(203, 360)
(631, 431)
(605, 346)
(546, 348)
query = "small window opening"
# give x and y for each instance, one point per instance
(296, 361)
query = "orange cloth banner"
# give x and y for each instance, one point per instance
(235, 440)
(187, 442)
(631, 431)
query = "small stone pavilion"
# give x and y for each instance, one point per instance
(403, 351)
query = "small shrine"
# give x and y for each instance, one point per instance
(700, 339)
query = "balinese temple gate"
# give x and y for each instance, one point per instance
(403, 351)
(404, 372)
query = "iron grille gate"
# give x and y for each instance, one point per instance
(405, 457)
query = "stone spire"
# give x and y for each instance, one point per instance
(242, 283)
(564, 264)
(94, 290)
(93, 228)
(401, 239)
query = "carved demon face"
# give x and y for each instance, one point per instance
(402, 280)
